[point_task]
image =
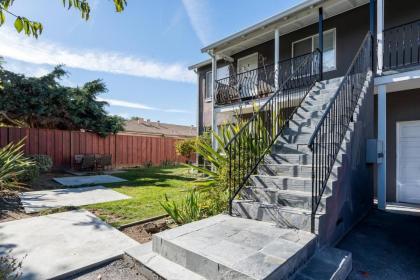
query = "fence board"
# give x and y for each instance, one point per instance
(61, 146)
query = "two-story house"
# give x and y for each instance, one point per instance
(244, 61)
(329, 95)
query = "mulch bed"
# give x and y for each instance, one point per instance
(125, 268)
(143, 232)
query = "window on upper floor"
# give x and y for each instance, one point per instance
(311, 43)
(222, 73)
(208, 85)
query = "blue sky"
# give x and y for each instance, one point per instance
(142, 54)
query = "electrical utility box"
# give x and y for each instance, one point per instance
(374, 151)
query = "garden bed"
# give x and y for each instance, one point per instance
(142, 232)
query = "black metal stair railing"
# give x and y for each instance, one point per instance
(329, 134)
(402, 46)
(253, 141)
(253, 84)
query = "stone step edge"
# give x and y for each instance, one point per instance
(163, 268)
(292, 210)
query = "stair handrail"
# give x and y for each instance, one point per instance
(331, 129)
(268, 122)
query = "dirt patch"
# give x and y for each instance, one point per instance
(125, 268)
(143, 232)
(45, 181)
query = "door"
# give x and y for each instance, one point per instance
(408, 162)
(248, 79)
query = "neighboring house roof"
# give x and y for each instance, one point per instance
(297, 17)
(148, 127)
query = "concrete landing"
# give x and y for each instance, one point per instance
(328, 264)
(62, 244)
(225, 247)
(88, 180)
(41, 200)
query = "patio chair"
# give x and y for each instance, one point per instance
(77, 161)
(103, 161)
(88, 162)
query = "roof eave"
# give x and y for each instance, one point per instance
(298, 8)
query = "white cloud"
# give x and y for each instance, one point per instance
(134, 105)
(19, 47)
(27, 69)
(126, 104)
(197, 11)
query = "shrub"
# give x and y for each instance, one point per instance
(29, 174)
(10, 268)
(12, 165)
(185, 147)
(185, 211)
(44, 162)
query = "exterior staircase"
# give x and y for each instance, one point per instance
(281, 192)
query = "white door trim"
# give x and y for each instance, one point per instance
(246, 57)
(397, 152)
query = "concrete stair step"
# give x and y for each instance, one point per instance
(327, 264)
(284, 183)
(225, 247)
(303, 171)
(285, 148)
(283, 216)
(285, 169)
(154, 266)
(290, 198)
(278, 158)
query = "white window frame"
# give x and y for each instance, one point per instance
(334, 30)
(207, 96)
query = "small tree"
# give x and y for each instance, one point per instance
(186, 147)
(35, 28)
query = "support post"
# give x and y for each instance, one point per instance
(213, 97)
(276, 58)
(372, 16)
(382, 138)
(321, 41)
(380, 35)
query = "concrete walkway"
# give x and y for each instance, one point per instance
(385, 246)
(88, 180)
(62, 244)
(41, 200)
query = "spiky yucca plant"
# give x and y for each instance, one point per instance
(12, 164)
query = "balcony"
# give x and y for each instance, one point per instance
(256, 83)
(402, 47)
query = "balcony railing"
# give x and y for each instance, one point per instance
(402, 46)
(254, 84)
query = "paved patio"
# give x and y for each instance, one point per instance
(62, 244)
(40, 200)
(385, 246)
(88, 180)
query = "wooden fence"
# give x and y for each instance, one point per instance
(62, 145)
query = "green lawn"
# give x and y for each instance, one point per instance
(147, 187)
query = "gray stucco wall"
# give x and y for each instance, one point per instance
(353, 189)
(398, 12)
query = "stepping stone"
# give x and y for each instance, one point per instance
(88, 180)
(41, 200)
(62, 244)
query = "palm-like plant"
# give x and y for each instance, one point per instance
(12, 164)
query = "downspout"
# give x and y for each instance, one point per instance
(199, 109)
